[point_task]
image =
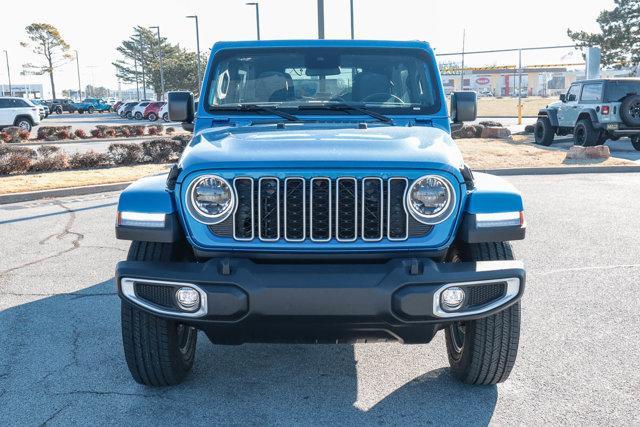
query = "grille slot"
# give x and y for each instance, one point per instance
(484, 294)
(320, 209)
(161, 295)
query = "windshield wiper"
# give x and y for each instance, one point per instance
(343, 106)
(260, 108)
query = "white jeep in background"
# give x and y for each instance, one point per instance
(18, 112)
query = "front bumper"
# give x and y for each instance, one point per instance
(261, 301)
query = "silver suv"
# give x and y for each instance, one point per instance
(593, 111)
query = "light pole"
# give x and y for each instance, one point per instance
(257, 17)
(6, 55)
(352, 32)
(197, 49)
(161, 68)
(320, 19)
(135, 67)
(78, 70)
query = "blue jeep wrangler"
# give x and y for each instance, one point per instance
(321, 199)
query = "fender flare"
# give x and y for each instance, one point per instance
(590, 112)
(551, 113)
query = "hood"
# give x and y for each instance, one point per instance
(554, 104)
(322, 146)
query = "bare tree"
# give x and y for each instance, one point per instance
(45, 40)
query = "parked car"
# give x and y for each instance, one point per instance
(138, 111)
(164, 112)
(59, 106)
(18, 112)
(42, 106)
(345, 215)
(115, 107)
(91, 105)
(127, 109)
(593, 111)
(151, 111)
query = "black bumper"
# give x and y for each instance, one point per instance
(250, 301)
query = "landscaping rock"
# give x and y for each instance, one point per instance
(598, 152)
(529, 128)
(495, 132)
(576, 152)
(466, 131)
(491, 124)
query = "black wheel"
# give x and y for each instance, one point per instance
(152, 117)
(630, 110)
(138, 115)
(58, 110)
(543, 131)
(165, 117)
(159, 352)
(23, 124)
(129, 115)
(585, 134)
(484, 351)
(90, 110)
(635, 141)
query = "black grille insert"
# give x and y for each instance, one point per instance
(484, 294)
(161, 295)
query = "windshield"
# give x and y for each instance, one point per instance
(393, 81)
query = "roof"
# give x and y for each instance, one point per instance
(415, 44)
(611, 79)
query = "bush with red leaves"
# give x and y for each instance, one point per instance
(50, 163)
(90, 159)
(80, 133)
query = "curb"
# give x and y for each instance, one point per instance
(93, 140)
(562, 170)
(104, 188)
(61, 192)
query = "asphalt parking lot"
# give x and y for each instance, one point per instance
(61, 360)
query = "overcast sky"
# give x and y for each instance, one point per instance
(96, 28)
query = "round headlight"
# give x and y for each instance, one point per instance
(430, 199)
(210, 199)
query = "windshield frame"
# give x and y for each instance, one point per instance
(410, 110)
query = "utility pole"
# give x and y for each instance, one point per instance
(78, 70)
(197, 50)
(144, 81)
(352, 32)
(6, 55)
(519, 86)
(320, 19)
(135, 67)
(464, 33)
(161, 69)
(257, 6)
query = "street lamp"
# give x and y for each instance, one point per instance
(160, 54)
(257, 17)
(144, 82)
(78, 69)
(6, 55)
(197, 49)
(351, 8)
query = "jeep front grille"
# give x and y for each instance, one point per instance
(320, 209)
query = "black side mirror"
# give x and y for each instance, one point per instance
(464, 107)
(563, 97)
(181, 107)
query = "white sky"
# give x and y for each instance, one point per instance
(95, 28)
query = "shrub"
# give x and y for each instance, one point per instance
(47, 150)
(161, 150)
(126, 132)
(170, 130)
(97, 133)
(62, 134)
(15, 159)
(137, 130)
(5, 137)
(11, 134)
(80, 133)
(90, 159)
(24, 134)
(184, 139)
(54, 162)
(126, 154)
(47, 131)
(153, 130)
(110, 132)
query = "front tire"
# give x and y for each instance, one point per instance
(635, 141)
(165, 117)
(159, 352)
(544, 132)
(483, 351)
(138, 115)
(152, 117)
(24, 124)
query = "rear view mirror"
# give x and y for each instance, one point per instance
(181, 108)
(464, 107)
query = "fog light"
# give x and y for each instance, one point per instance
(452, 298)
(188, 298)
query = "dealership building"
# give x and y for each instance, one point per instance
(22, 90)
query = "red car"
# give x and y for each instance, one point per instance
(115, 106)
(152, 110)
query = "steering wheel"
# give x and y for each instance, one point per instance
(382, 94)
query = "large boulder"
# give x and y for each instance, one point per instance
(466, 131)
(495, 132)
(577, 152)
(491, 124)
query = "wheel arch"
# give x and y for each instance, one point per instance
(551, 113)
(23, 116)
(588, 113)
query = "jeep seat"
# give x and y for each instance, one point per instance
(368, 83)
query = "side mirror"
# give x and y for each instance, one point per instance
(464, 107)
(563, 97)
(181, 107)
